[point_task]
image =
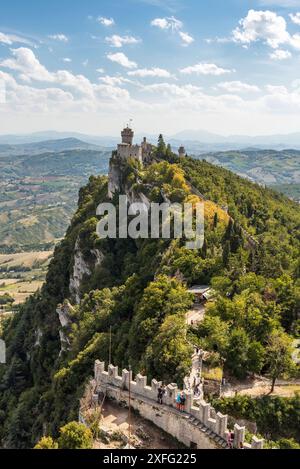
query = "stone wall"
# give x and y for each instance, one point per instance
(130, 151)
(199, 425)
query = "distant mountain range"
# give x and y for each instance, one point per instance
(194, 140)
(54, 146)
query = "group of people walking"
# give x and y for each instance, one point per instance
(180, 398)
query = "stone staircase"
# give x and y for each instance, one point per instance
(208, 432)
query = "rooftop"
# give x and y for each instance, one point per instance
(199, 289)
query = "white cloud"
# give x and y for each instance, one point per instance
(205, 69)
(150, 72)
(238, 87)
(67, 60)
(280, 54)
(167, 23)
(59, 37)
(186, 38)
(106, 21)
(79, 91)
(266, 26)
(168, 89)
(25, 62)
(122, 60)
(295, 18)
(114, 81)
(119, 41)
(10, 39)
(173, 24)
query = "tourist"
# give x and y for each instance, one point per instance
(197, 390)
(178, 401)
(230, 440)
(182, 401)
(160, 394)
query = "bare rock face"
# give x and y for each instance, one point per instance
(98, 256)
(38, 336)
(114, 177)
(80, 269)
(64, 312)
(64, 342)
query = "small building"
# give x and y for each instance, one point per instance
(181, 151)
(201, 293)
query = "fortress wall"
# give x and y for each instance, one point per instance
(180, 426)
(130, 151)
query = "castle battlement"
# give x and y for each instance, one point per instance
(127, 150)
(198, 424)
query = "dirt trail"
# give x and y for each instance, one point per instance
(115, 419)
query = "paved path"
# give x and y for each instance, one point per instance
(195, 315)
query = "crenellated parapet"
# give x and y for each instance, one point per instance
(200, 414)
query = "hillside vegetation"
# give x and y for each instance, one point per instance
(139, 291)
(268, 167)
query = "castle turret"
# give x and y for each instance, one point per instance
(127, 135)
(181, 151)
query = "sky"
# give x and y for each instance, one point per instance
(227, 67)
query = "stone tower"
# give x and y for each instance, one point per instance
(127, 135)
(181, 151)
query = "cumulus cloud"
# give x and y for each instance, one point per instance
(173, 24)
(266, 26)
(150, 72)
(67, 60)
(122, 60)
(106, 21)
(295, 18)
(59, 37)
(26, 63)
(280, 54)
(238, 87)
(119, 41)
(205, 69)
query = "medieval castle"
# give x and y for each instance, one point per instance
(142, 152)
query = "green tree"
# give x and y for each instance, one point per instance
(237, 352)
(216, 220)
(215, 333)
(256, 357)
(46, 442)
(278, 355)
(75, 435)
(161, 147)
(169, 355)
(226, 253)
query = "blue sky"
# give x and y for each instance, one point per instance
(229, 67)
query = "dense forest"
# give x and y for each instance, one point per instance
(139, 291)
